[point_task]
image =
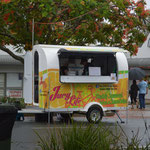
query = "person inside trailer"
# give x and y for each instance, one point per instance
(86, 65)
(64, 70)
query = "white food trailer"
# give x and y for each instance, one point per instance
(55, 79)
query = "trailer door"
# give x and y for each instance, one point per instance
(36, 78)
(27, 86)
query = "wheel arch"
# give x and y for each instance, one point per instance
(94, 104)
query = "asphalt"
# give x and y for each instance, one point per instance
(135, 121)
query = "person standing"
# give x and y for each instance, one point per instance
(84, 62)
(133, 94)
(143, 89)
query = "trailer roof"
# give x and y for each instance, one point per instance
(85, 48)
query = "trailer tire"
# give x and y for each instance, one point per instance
(94, 114)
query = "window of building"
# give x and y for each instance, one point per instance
(2, 85)
(11, 85)
(13, 80)
(87, 67)
(14, 84)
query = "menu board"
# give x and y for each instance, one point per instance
(94, 71)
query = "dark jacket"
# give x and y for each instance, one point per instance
(86, 69)
(134, 90)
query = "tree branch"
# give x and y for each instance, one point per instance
(10, 36)
(19, 58)
(4, 34)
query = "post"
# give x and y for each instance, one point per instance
(127, 115)
(32, 32)
(49, 116)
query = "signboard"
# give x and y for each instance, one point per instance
(14, 93)
(94, 71)
(75, 95)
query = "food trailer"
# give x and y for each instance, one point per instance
(60, 84)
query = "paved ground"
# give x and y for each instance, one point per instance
(135, 113)
(24, 137)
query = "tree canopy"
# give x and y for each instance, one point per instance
(121, 23)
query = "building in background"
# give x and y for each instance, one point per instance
(11, 76)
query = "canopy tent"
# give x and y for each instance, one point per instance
(139, 62)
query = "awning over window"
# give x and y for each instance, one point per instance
(78, 52)
(8, 60)
(139, 62)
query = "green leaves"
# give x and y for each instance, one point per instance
(74, 22)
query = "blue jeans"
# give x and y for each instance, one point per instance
(142, 100)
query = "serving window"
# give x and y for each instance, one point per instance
(87, 67)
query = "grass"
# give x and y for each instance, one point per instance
(90, 137)
(93, 137)
(77, 137)
(86, 138)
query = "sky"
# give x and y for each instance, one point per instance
(148, 3)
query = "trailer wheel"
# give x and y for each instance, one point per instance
(94, 114)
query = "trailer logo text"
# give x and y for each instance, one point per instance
(72, 100)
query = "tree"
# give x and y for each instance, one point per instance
(119, 23)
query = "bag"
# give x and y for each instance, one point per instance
(129, 99)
